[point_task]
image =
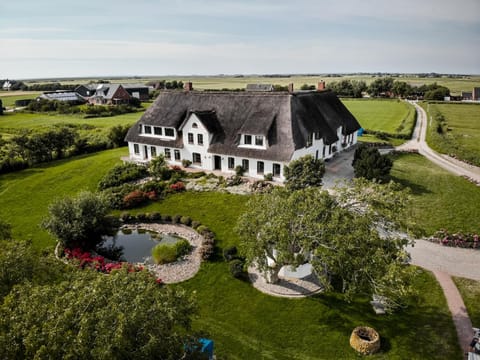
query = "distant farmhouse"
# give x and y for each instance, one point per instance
(473, 95)
(261, 131)
(109, 94)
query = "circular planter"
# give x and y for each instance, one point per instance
(365, 340)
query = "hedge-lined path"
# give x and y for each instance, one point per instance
(457, 308)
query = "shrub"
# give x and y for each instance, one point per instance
(234, 180)
(201, 229)
(135, 198)
(268, 177)
(230, 253)
(186, 163)
(178, 186)
(196, 175)
(239, 170)
(121, 174)
(158, 167)
(125, 216)
(176, 219)
(157, 186)
(182, 247)
(164, 254)
(304, 172)
(186, 220)
(155, 216)
(141, 217)
(166, 218)
(207, 250)
(370, 164)
(195, 224)
(237, 268)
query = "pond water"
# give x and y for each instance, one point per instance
(138, 244)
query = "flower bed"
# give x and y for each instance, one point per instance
(85, 260)
(468, 241)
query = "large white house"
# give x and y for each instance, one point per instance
(261, 131)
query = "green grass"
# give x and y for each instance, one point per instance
(9, 98)
(390, 116)
(440, 200)
(461, 131)
(470, 291)
(25, 195)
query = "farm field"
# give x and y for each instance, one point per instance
(9, 98)
(244, 322)
(461, 130)
(456, 85)
(389, 116)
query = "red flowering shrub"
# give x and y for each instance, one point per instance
(134, 198)
(471, 241)
(176, 168)
(178, 186)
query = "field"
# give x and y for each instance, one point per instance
(456, 85)
(244, 322)
(461, 130)
(440, 200)
(9, 98)
(389, 116)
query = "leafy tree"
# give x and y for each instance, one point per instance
(338, 234)
(437, 94)
(159, 168)
(348, 88)
(307, 87)
(80, 221)
(401, 88)
(370, 164)
(117, 134)
(304, 172)
(380, 86)
(93, 316)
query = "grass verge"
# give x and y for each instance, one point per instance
(470, 291)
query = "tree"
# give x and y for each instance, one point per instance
(80, 221)
(338, 234)
(370, 164)
(380, 86)
(94, 316)
(401, 88)
(304, 172)
(438, 93)
(117, 134)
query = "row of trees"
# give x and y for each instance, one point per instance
(29, 148)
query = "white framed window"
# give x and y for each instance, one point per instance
(153, 151)
(170, 132)
(157, 130)
(190, 138)
(245, 165)
(176, 153)
(197, 158)
(258, 140)
(168, 154)
(199, 139)
(276, 170)
(247, 139)
(194, 125)
(260, 167)
(231, 163)
(147, 129)
(136, 149)
(309, 140)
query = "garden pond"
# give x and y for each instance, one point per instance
(137, 244)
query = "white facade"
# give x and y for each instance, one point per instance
(196, 140)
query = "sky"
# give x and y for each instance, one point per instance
(61, 38)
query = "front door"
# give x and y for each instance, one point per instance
(217, 162)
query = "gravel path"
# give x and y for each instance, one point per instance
(181, 270)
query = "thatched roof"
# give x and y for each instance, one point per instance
(284, 118)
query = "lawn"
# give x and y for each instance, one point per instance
(441, 200)
(243, 322)
(461, 130)
(470, 290)
(9, 98)
(25, 195)
(393, 117)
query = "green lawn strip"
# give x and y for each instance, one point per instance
(470, 291)
(461, 134)
(441, 200)
(393, 117)
(9, 101)
(25, 195)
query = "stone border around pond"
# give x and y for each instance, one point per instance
(183, 269)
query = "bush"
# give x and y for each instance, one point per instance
(121, 174)
(166, 218)
(176, 219)
(157, 186)
(125, 216)
(230, 253)
(237, 268)
(178, 186)
(304, 172)
(186, 220)
(195, 224)
(183, 247)
(207, 250)
(202, 228)
(135, 198)
(186, 163)
(370, 164)
(239, 170)
(154, 216)
(164, 254)
(141, 217)
(268, 177)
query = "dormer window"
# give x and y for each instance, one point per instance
(170, 132)
(253, 141)
(309, 140)
(247, 139)
(148, 129)
(157, 130)
(258, 140)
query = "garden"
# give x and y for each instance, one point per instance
(243, 321)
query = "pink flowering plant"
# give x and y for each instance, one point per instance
(468, 240)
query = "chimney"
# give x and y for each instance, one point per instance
(290, 88)
(188, 86)
(321, 85)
